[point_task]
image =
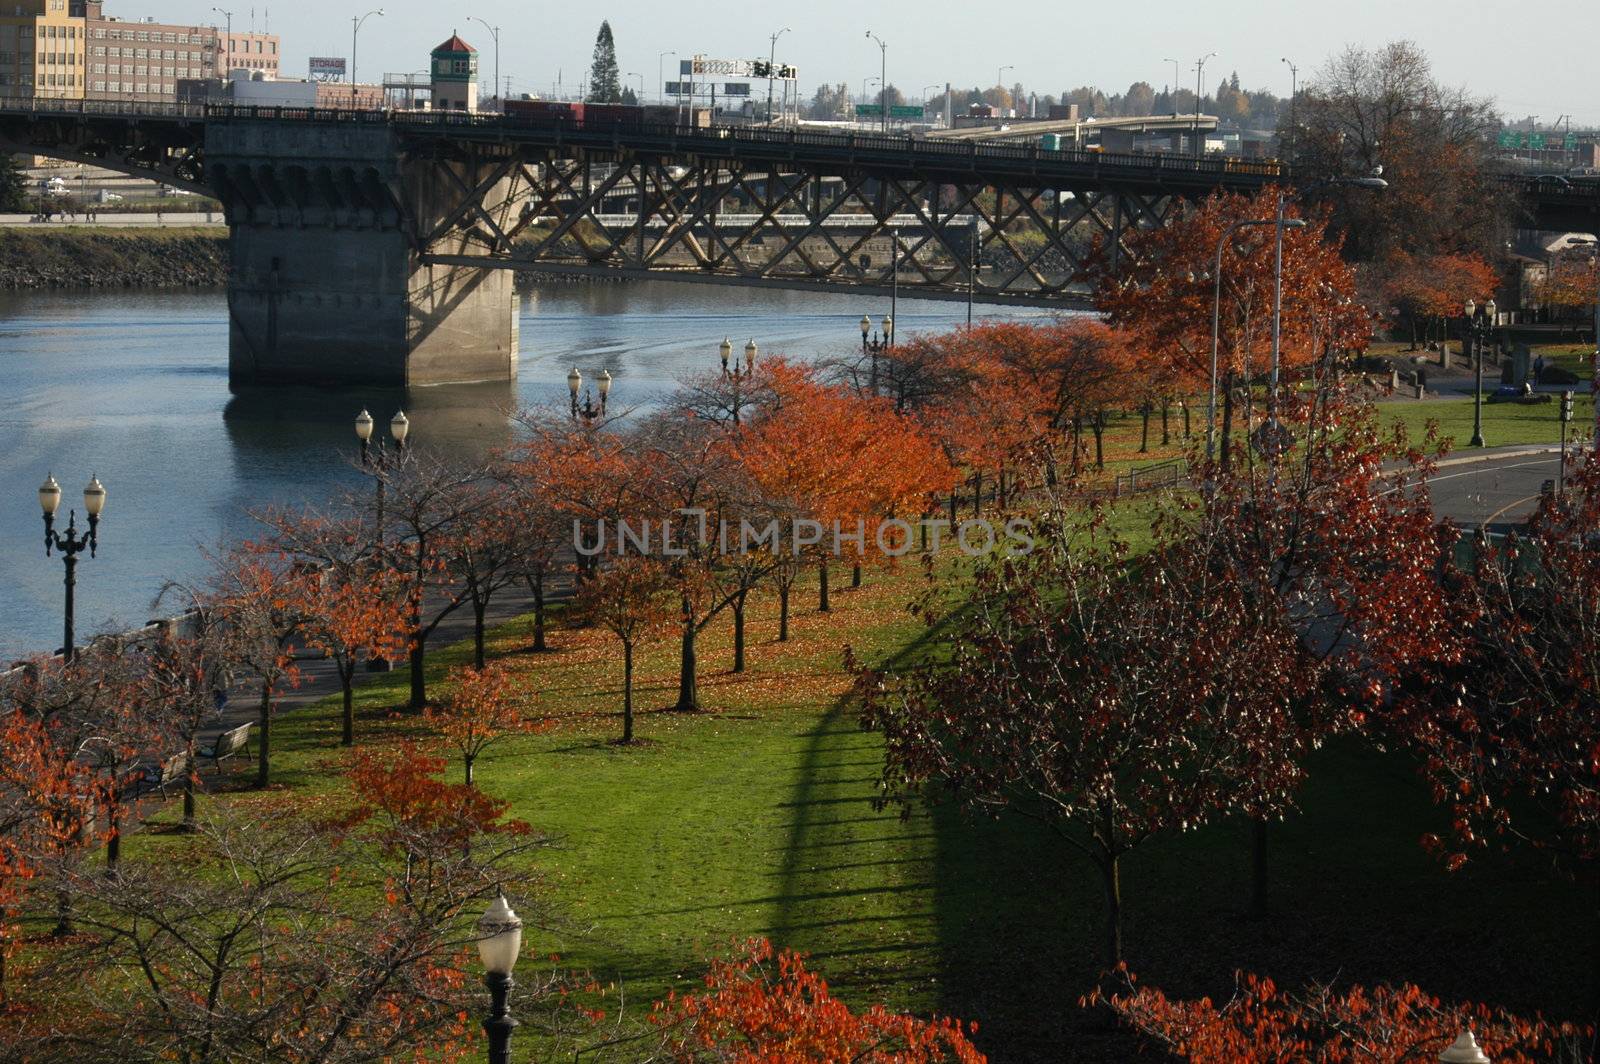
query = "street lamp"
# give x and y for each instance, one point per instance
(1174, 63)
(883, 75)
(499, 943)
(1199, 75)
(1216, 326)
(379, 463)
(588, 413)
(70, 545)
(877, 346)
(1377, 184)
(494, 31)
(1566, 416)
(1000, 81)
(1479, 329)
(661, 84)
(227, 17)
(1464, 1050)
(772, 59)
(1594, 385)
(356, 22)
(635, 74)
(1294, 93)
(735, 374)
(864, 83)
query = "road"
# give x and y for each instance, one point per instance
(1495, 488)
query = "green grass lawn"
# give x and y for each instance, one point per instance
(756, 818)
(1503, 423)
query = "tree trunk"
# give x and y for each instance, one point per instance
(1110, 876)
(783, 608)
(113, 832)
(977, 493)
(688, 672)
(264, 747)
(536, 588)
(479, 608)
(1099, 439)
(1166, 424)
(467, 763)
(1258, 868)
(952, 508)
(188, 787)
(738, 632)
(419, 681)
(1186, 433)
(627, 690)
(1077, 451)
(855, 576)
(823, 605)
(1144, 432)
(348, 738)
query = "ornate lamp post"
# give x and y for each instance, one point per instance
(1479, 329)
(588, 413)
(876, 346)
(70, 544)
(378, 462)
(499, 943)
(736, 374)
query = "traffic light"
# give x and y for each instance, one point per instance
(1566, 406)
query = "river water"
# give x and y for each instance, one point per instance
(133, 388)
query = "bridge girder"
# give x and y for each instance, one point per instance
(734, 220)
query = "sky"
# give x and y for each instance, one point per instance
(1544, 64)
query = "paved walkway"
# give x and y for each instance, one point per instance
(107, 220)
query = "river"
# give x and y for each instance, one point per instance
(133, 388)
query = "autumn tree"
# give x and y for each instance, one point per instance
(1384, 108)
(430, 504)
(1263, 1024)
(479, 711)
(1110, 701)
(1427, 290)
(355, 610)
(294, 939)
(257, 599)
(1162, 291)
(632, 598)
(765, 1005)
(485, 554)
(1510, 733)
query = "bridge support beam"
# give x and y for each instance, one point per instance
(328, 284)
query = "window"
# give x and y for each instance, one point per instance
(170, 38)
(99, 86)
(168, 54)
(100, 51)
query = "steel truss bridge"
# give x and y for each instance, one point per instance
(1007, 222)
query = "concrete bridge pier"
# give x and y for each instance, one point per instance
(327, 224)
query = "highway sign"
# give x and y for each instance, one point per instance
(906, 111)
(869, 110)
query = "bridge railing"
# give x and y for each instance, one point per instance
(708, 138)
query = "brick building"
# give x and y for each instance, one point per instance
(144, 60)
(41, 51)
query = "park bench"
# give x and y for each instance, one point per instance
(228, 744)
(161, 776)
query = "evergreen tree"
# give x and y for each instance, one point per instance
(605, 78)
(13, 185)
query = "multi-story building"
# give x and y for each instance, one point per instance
(144, 60)
(41, 50)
